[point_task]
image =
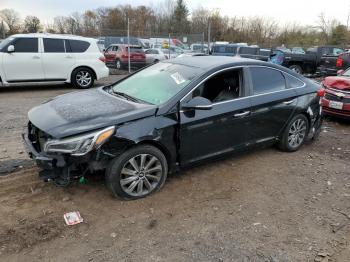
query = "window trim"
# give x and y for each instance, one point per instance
(249, 95)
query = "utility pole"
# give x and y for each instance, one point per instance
(129, 45)
(209, 28)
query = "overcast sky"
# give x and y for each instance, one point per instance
(284, 11)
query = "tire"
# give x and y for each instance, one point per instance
(294, 134)
(118, 64)
(155, 61)
(126, 180)
(296, 68)
(82, 78)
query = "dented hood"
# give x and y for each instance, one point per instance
(80, 112)
(339, 82)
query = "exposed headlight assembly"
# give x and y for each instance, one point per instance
(81, 144)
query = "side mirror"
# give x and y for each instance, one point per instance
(340, 72)
(104, 50)
(10, 49)
(198, 103)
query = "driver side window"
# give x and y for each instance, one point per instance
(225, 86)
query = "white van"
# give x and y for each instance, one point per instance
(51, 58)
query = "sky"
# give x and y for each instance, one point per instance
(303, 12)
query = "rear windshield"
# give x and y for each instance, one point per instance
(158, 83)
(137, 49)
(225, 49)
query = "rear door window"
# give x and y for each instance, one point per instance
(26, 45)
(77, 46)
(267, 80)
(293, 82)
(53, 45)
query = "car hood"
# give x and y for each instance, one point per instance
(339, 82)
(84, 111)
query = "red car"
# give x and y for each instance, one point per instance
(117, 56)
(336, 100)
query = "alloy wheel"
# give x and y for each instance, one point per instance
(141, 174)
(297, 133)
(83, 78)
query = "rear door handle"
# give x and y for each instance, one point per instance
(69, 56)
(289, 102)
(36, 57)
(245, 113)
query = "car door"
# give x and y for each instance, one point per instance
(207, 133)
(25, 63)
(57, 62)
(273, 103)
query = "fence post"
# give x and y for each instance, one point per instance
(129, 46)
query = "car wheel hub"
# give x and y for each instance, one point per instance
(83, 78)
(297, 133)
(141, 174)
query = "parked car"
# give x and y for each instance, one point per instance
(154, 55)
(118, 56)
(330, 65)
(171, 115)
(309, 63)
(254, 53)
(224, 50)
(337, 94)
(203, 48)
(51, 58)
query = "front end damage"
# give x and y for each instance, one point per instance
(63, 160)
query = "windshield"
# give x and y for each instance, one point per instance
(4, 43)
(158, 83)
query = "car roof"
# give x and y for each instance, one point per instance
(58, 36)
(209, 62)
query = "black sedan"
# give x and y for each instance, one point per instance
(168, 116)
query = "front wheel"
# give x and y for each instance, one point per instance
(137, 173)
(295, 134)
(82, 78)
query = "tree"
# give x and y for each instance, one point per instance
(339, 35)
(181, 23)
(31, 24)
(12, 20)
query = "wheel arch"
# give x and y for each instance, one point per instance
(87, 67)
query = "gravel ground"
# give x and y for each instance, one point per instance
(263, 205)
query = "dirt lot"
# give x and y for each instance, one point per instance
(260, 206)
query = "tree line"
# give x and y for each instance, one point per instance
(173, 17)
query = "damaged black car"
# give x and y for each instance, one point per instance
(168, 116)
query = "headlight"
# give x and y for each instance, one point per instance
(79, 145)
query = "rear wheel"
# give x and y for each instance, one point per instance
(137, 173)
(296, 68)
(295, 134)
(155, 61)
(82, 78)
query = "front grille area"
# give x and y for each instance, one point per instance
(37, 137)
(332, 97)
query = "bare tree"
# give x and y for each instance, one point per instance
(31, 24)
(12, 20)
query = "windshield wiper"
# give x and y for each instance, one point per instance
(128, 97)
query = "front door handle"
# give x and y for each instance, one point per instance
(245, 113)
(289, 102)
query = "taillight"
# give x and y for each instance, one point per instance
(321, 92)
(124, 56)
(102, 59)
(339, 62)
